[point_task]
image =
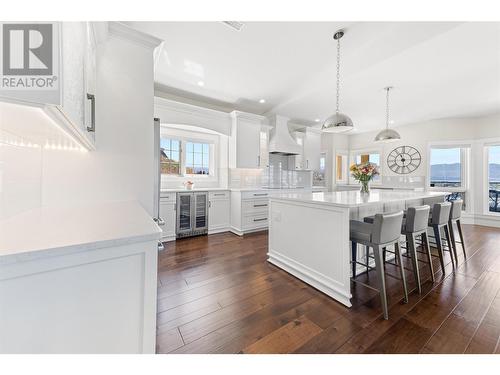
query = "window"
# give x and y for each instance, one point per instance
(372, 157)
(446, 167)
(197, 158)
(180, 157)
(494, 178)
(341, 168)
(319, 176)
(170, 161)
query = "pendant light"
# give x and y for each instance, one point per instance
(387, 135)
(338, 122)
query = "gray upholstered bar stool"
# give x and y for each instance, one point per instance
(455, 214)
(439, 220)
(415, 224)
(385, 231)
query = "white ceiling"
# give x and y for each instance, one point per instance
(438, 69)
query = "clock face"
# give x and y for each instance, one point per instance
(404, 159)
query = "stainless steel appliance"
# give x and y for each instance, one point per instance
(192, 214)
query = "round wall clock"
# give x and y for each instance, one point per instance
(404, 159)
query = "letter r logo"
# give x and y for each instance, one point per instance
(27, 49)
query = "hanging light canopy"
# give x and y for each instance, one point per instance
(338, 122)
(387, 135)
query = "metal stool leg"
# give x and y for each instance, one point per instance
(452, 236)
(379, 264)
(367, 258)
(439, 244)
(410, 239)
(459, 226)
(354, 254)
(453, 250)
(425, 242)
(401, 270)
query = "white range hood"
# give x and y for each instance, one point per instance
(281, 141)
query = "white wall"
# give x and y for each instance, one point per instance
(122, 167)
(331, 144)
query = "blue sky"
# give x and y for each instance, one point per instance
(494, 154)
(445, 156)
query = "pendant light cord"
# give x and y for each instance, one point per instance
(338, 74)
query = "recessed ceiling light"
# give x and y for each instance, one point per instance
(262, 101)
(316, 120)
(201, 83)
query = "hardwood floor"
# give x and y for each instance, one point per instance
(218, 294)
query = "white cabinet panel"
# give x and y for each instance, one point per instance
(167, 213)
(246, 141)
(312, 149)
(218, 214)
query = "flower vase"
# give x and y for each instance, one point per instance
(365, 189)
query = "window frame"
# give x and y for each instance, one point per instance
(465, 149)
(486, 173)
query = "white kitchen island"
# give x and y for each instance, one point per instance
(309, 232)
(79, 279)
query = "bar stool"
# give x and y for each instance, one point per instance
(415, 224)
(385, 231)
(439, 220)
(455, 214)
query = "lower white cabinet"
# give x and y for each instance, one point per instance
(218, 211)
(249, 211)
(167, 213)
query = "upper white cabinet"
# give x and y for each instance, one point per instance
(71, 99)
(312, 149)
(245, 140)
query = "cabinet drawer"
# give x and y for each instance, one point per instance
(255, 221)
(254, 194)
(254, 205)
(168, 197)
(214, 195)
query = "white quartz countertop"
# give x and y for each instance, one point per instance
(182, 189)
(355, 198)
(48, 231)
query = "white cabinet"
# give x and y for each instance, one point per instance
(167, 214)
(72, 102)
(312, 149)
(245, 141)
(218, 211)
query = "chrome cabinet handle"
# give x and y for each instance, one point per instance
(91, 97)
(260, 195)
(209, 204)
(260, 205)
(263, 219)
(218, 195)
(258, 160)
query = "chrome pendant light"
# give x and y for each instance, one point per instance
(387, 135)
(338, 122)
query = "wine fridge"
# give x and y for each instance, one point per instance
(192, 214)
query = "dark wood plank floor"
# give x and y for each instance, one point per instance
(218, 294)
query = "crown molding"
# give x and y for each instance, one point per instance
(189, 109)
(249, 116)
(122, 31)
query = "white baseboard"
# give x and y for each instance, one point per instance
(319, 281)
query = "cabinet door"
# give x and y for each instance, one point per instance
(218, 214)
(74, 42)
(90, 77)
(200, 210)
(167, 213)
(248, 145)
(312, 150)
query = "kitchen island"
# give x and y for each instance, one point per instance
(309, 232)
